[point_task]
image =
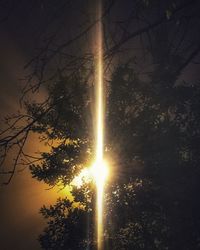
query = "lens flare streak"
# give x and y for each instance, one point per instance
(99, 168)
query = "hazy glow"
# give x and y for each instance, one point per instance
(84, 177)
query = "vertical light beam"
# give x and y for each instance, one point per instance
(99, 168)
(99, 134)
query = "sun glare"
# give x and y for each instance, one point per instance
(83, 177)
(98, 172)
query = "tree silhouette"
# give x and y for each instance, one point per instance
(153, 130)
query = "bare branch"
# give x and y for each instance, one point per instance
(146, 29)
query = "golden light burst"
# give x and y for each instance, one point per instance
(99, 170)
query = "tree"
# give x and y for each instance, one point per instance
(144, 212)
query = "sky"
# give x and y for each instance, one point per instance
(20, 201)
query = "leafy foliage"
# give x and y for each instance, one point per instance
(153, 134)
(67, 226)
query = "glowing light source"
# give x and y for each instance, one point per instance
(99, 170)
(83, 177)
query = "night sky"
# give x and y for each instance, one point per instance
(21, 27)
